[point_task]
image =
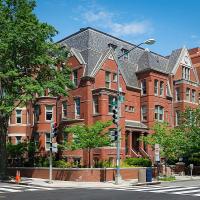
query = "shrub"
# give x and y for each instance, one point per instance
(61, 164)
(139, 162)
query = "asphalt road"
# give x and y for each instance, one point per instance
(91, 194)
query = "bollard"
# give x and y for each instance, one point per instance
(142, 175)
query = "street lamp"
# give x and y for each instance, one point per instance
(118, 177)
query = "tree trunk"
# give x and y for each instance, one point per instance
(3, 156)
(89, 163)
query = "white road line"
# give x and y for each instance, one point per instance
(197, 195)
(2, 189)
(152, 189)
(175, 189)
(186, 192)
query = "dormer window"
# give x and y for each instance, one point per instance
(186, 72)
(126, 53)
(113, 46)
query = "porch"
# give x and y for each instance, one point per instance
(133, 146)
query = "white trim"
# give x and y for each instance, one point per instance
(80, 59)
(46, 115)
(17, 134)
(16, 115)
(24, 125)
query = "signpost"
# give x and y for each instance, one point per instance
(157, 156)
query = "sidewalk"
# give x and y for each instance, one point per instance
(110, 184)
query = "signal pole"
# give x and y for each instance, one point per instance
(50, 153)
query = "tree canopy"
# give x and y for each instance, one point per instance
(28, 62)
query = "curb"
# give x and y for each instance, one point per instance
(146, 183)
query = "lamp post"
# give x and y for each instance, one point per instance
(118, 177)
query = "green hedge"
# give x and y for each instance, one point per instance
(138, 162)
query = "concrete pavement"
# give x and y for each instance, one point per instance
(180, 180)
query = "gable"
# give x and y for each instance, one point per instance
(184, 60)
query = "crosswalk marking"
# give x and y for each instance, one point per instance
(154, 188)
(23, 188)
(189, 191)
(174, 189)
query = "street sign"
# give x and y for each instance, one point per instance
(157, 152)
(55, 147)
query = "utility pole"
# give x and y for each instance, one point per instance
(118, 105)
(50, 153)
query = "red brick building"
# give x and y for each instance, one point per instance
(154, 87)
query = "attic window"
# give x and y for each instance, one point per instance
(126, 53)
(113, 46)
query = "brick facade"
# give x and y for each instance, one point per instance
(154, 87)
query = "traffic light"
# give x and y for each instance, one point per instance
(54, 130)
(114, 135)
(115, 115)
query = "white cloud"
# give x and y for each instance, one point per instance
(108, 20)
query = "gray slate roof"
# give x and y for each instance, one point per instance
(93, 45)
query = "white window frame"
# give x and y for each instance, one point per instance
(47, 149)
(186, 72)
(178, 96)
(64, 109)
(126, 55)
(177, 115)
(18, 141)
(95, 105)
(114, 77)
(159, 108)
(77, 115)
(156, 87)
(193, 98)
(161, 88)
(110, 105)
(18, 115)
(187, 95)
(142, 113)
(75, 79)
(48, 111)
(143, 86)
(109, 79)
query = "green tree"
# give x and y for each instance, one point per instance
(89, 137)
(171, 141)
(190, 127)
(27, 62)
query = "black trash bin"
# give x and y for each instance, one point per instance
(149, 174)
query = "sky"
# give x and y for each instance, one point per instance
(172, 23)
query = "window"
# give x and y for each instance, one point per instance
(144, 113)
(36, 140)
(18, 116)
(75, 77)
(27, 117)
(49, 113)
(36, 113)
(64, 109)
(47, 141)
(161, 88)
(186, 73)
(114, 77)
(18, 139)
(156, 87)
(178, 95)
(95, 105)
(126, 54)
(108, 81)
(177, 120)
(144, 87)
(77, 107)
(159, 113)
(126, 108)
(131, 109)
(113, 46)
(110, 103)
(193, 96)
(187, 94)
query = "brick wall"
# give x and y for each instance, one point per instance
(84, 175)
